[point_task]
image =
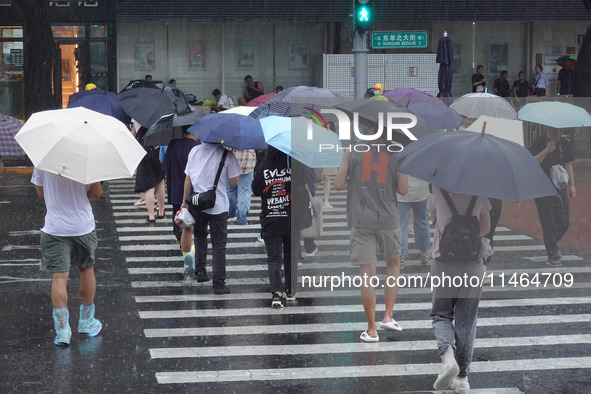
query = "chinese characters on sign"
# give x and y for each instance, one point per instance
(399, 39)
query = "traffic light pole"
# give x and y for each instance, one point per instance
(360, 64)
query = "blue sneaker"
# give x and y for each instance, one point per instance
(189, 268)
(87, 324)
(61, 323)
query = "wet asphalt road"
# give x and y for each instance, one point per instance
(134, 355)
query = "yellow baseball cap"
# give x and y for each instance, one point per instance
(90, 86)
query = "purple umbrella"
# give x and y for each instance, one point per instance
(405, 92)
(445, 58)
(437, 116)
(9, 126)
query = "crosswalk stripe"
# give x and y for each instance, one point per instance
(164, 229)
(325, 309)
(326, 267)
(336, 348)
(320, 242)
(170, 237)
(560, 274)
(383, 370)
(359, 326)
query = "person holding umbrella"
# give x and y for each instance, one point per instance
(372, 179)
(455, 342)
(272, 182)
(203, 164)
(553, 151)
(69, 232)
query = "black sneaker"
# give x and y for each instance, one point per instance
(276, 301)
(221, 290)
(202, 277)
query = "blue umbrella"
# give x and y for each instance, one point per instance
(445, 58)
(290, 136)
(476, 164)
(437, 116)
(555, 114)
(106, 103)
(231, 130)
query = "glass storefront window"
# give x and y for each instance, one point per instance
(68, 31)
(11, 60)
(12, 71)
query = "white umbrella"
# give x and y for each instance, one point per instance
(511, 130)
(472, 105)
(241, 110)
(80, 144)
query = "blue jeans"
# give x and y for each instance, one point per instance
(421, 225)
(239, 197)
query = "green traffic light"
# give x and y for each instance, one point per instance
(363, 15)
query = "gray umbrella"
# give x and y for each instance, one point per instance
(170, 127)
(476, 164)
(372, 110)
(147, 105)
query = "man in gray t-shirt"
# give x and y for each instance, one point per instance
(372, 179)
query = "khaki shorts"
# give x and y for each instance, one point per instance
(364, 243)
(59, 253)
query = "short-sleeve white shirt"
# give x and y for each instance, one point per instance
(69, 212)
(202, 167)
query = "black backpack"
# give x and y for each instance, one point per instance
(460, 241)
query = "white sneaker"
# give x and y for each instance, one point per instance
(312, 253)
(139, 202)
(260, 239)
(460, 386)
(327, 206)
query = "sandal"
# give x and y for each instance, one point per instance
(366, 338)
(161, 216)
(151, 220)
(393, 325)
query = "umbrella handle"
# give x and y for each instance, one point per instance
(483, 127)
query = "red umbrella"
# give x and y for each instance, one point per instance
(260, 100)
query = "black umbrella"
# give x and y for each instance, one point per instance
(147, 105)
(445, 58)
(170, 127)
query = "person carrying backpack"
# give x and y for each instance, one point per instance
(460, 222)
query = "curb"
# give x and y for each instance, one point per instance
(16, 170)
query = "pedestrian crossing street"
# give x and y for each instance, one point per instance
(237, 342)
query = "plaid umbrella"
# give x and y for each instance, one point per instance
(301, 100)
(9, 126)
